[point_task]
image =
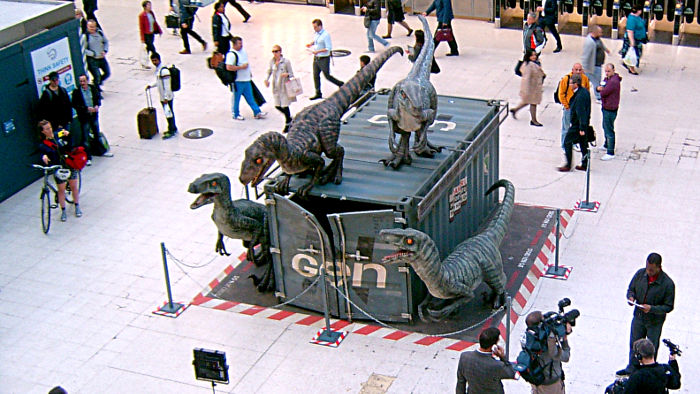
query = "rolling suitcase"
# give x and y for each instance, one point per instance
(146, 119)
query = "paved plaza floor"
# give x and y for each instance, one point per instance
(76, 304)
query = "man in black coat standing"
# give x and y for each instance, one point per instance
(55, 105)
(580, 119)
(652, 293)
(548, 18)
(86, 100)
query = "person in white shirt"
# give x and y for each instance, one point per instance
(237, 60)
(321, 49)
(166, 94)
(221, 28)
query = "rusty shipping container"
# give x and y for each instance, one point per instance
(338, 224)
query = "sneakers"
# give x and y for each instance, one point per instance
(88, 163)
(169, 134)
(607, 157)
(108, 154)
(64, 217)
(78, 212)
(577, 148)
(260, 115)
(239, 117)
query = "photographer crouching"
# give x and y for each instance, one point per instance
(650, 377)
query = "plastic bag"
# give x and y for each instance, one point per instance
(143, 57)
(630, 58)
(293, 87)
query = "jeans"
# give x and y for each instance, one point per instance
(565, 124)
(609, 130)
(595, 80)
(323, 64)
(372, 35)
(641, 330)
(572, 137)
(86, 126)
(171, 120)
(99, 68)
(243, 88)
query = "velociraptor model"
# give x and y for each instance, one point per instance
(241, 219)
(314, 130)
(451, 282)
(412, 107)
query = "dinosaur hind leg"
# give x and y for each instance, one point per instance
(401, 155)
(438, 309)
(495, 278)
(334, 171)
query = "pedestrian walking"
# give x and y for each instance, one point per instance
(244, 13)
(395, 14)
(167, 97)
(635, 37)
(237, 60)
(373, 15)
(97, 48)
(533, 35)
(148, 27)
(580, 120)
(221, 28)
(280, 70)
(321, 49)
(548, 18)
(610, 93)
(443, 9)
(187, 13)
(593, 57)
(53, 146)
(530, 86)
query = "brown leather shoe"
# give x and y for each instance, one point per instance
(564, 169)
(581, 168)
(185, 52)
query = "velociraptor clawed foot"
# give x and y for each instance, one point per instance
(266, 282)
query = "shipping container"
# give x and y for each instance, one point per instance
(339, 224)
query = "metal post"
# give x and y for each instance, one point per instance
(645, 13)
(677, 22)
(584, 18)
(615, 19)
(327, 335)
(556, 270)
(170, 307)
(247, 193)
(586, 204)
(509, 302)
(497, 14)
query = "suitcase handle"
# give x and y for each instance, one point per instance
(149, 101)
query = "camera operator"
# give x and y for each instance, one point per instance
(651, 377)
(480, 370)
(558, 351)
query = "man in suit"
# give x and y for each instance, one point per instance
(548, 18)
(86, 100)
(479, 368)
(443, 10)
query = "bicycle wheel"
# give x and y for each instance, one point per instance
(45, 211)
(69, 192)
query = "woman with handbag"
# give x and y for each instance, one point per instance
(373, 14)
(53, 147)
(281, 72)
(443, 10)
(530, 86)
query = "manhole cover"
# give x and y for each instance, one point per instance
(340, 52)
(196, 134)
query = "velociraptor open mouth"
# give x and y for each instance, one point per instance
(260, 175)
(203, 199)
(398, 256)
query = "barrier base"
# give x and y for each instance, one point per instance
(173, 310)
(561, 273)
(675, 40)
(587, 206)
(497, 23)
(330, 338)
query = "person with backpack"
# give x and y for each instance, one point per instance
(480, 370)
(237, 60)
(165, 91)
(556, 353)
(533, 35)
(54, 104)
(563, 95)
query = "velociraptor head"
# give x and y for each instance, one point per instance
(259, 157)
(408, 243)
(410, 95)
(209, 186)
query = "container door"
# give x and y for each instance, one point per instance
(382, 291)
(299, 245)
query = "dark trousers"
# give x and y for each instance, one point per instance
(148, 40)
(185, 32)
(641, 330)
(287, 114)
(171, 120)
(323, 64)
(552, 29)
(240, 9)
(88, 125)
(453, 43)
(571, 138)
(224, 45)
(99, 68)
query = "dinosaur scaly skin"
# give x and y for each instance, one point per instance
(412, 107)
(241, 219)
(314, 131)
(451, 283)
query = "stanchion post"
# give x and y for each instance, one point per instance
(615, 19)
(556, 270)
(587, 204)
(170, 307)
(677, 22)
(327, 335)
(509, 305)
(584, 17)
(497, 14)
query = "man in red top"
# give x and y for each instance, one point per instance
(148, 27)
(652, 293)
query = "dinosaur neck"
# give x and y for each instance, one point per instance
(426, 262)
(278, 144)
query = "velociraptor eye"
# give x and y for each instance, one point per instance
(258, 160)
(409, 241)
(213, 183)
(403, 94)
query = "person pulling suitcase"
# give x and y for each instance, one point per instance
(166, 94)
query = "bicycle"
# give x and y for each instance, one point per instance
(48, 187)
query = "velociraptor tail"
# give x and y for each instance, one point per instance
(350, 91)
(424, 61)
(496, 228)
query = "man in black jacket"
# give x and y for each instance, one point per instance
(652, 293)
(55, 105)
(580, 106)
(240, 9)
(187, 13)
(86, 100)
(651, 377)
(221, 28)
(548, 19)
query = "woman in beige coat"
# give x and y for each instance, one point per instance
(281, 70)
(530, 86)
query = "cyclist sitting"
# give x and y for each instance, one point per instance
(53, 147)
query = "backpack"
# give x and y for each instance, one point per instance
(556, 92)
(529, 362)
(225, 76)
(174, 77)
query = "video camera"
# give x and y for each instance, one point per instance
(673, 349)
(556, 322)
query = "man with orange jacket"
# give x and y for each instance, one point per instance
(565, 94)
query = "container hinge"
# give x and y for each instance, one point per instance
(406, 316)
(270, 201)
(403, 269)
(357, 256)
(280, 294)
(400, 220)
(310, 249)
(275, 250)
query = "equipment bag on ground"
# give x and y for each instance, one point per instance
(98, 144)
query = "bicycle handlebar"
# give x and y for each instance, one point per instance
(46, 169)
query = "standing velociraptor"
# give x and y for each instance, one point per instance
(412, 107)
(241, 219)
(451, 282)
(314, 131)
